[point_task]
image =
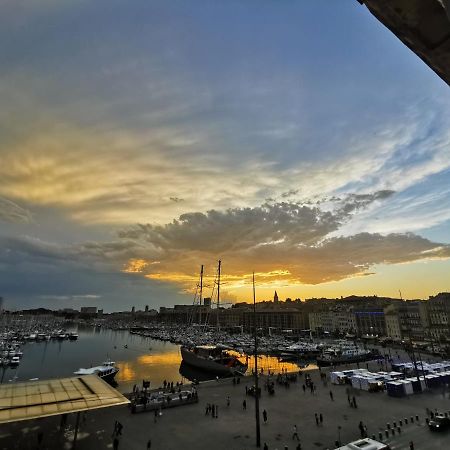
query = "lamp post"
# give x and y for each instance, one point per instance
(258, 428)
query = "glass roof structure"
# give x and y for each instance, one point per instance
(44, 398)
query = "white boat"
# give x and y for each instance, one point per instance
(107, 371)
(14, 361)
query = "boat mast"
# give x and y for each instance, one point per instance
(218, 293)
(200, 298)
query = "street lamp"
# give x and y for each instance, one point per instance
(258, 429)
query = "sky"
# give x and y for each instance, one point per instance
(298, 140)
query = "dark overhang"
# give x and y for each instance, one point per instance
(422, 25)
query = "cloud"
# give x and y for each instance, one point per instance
(71, 298)
(289, 242)
(290, 193)
(12, 212)
(285, 243)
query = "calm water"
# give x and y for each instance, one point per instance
(142, 358)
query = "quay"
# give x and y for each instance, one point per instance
(189, 427)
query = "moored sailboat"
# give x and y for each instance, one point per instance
(213, 358)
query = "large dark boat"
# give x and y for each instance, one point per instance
(346, 356)
(214, 359)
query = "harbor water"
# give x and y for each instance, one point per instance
(138, 358)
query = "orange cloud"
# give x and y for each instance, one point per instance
(135, 265)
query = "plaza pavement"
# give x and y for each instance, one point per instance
(187, 427)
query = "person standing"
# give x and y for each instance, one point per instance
(295, 433)
(265, 416)
(40, 438)
(321, 418)
(361, 428)
(244, 405)
(116, 441)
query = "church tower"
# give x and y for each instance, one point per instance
(275, 297)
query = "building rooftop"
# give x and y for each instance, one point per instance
(44, 398)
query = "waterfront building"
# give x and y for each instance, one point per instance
(88, 310)
(438, 315)
(334, 320)
(278, 319)
(393, 330)
(186, 314)
(406, 320)
(370, 321)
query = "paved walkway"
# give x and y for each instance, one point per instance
(188, 427)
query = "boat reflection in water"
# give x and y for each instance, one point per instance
(265, 363)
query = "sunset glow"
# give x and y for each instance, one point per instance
(176, 141)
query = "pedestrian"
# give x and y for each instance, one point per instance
(317, 418)
(246, 390)
(354, 402)
(331, 396)
(217, 411)
(361, 428)
(63, 421)
(299, 446)
(40, 438)
(213, 410)
(349, 400)
(266, 447)
(149, 444)
(244, 405)
(321, 418)
(295, 433)
(116, 442)
(228, 401)
(265, 416)
(411, 445)
(304, 388)
(156, 415)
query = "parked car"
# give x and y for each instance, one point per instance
(439, 423)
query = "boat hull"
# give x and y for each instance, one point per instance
(110, 377)
(324, 362)
(209, 365)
